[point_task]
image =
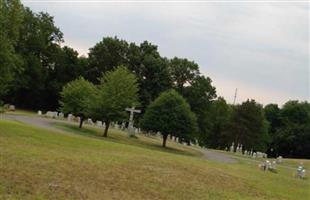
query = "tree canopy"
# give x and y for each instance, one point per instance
(76, 98)
(170, 114)
(118, 90)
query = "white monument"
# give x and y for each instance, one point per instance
(132, 110)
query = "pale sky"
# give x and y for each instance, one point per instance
(261, 48)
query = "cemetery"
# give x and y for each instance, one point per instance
(85, 115)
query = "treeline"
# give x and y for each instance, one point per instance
(34, 68)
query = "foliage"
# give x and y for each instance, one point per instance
(218, 130)
(105, 56)
(118, 90)
(151, 70)
(291, 137)
(183, 72)
(76, 97)
(170, 114)
(200, 94)
(11, 15)
(248, 126)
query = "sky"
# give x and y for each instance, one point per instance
(261, 48)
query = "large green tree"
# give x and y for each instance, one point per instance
(200, 94)
(292, 138)
(249, 126)
(118, 90)
(11, 17)
(151, 70)
(105, 56)
(170, 114)
(273, 116)
(219, 119)
(183, 72)
(38, 45)
(76, 98)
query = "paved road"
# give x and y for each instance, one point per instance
(219, 157)
(35, 121)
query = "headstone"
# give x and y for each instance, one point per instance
(254, 155)
(61, 115)
(49, 114)
(232, 147)
(245, 152)
(279, 160)
(132, 110)
(99, 123)
(39, 112)
(54, 114)
(301, 172)
(123, 126)
(11, 108)
(90, 121)
(70, 117)
(240, 149)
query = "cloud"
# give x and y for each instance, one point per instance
(263, 47)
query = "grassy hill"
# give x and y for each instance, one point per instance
(40, 164)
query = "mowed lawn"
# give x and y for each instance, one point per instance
(40, 164)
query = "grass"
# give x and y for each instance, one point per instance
(40, 164)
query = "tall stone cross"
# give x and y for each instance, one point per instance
(132, 110)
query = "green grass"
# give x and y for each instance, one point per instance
(40, 164)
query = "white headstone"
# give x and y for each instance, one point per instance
(39, 112)
(70, 117)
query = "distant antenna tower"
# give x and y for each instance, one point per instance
(235, 97)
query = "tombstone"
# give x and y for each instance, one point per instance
(90, 121)
(232, 148)
(70, 117)
(11, 108)
(254, 155)
(279, 160)
(132, 110)
(240, 148)
(301, 172)
(237, 149)
(49, 114)
(99, 123)
(123, 126)
(39, 112)
(61, 115)
(54, 114)
(245, 152)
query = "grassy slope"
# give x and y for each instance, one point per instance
(40, 164)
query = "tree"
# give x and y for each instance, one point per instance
(183, 72)
(76, 98)
(249, 126)
(170, 114)
(219, 116)
(11, 16)
(151, 69)
(200, 94)
(106, 56)
(38, 46)
(118, 89)
(273, 116)
(292, 138)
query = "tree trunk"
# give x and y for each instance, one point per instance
(107, 124)
(81, 122)
(164, 139)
